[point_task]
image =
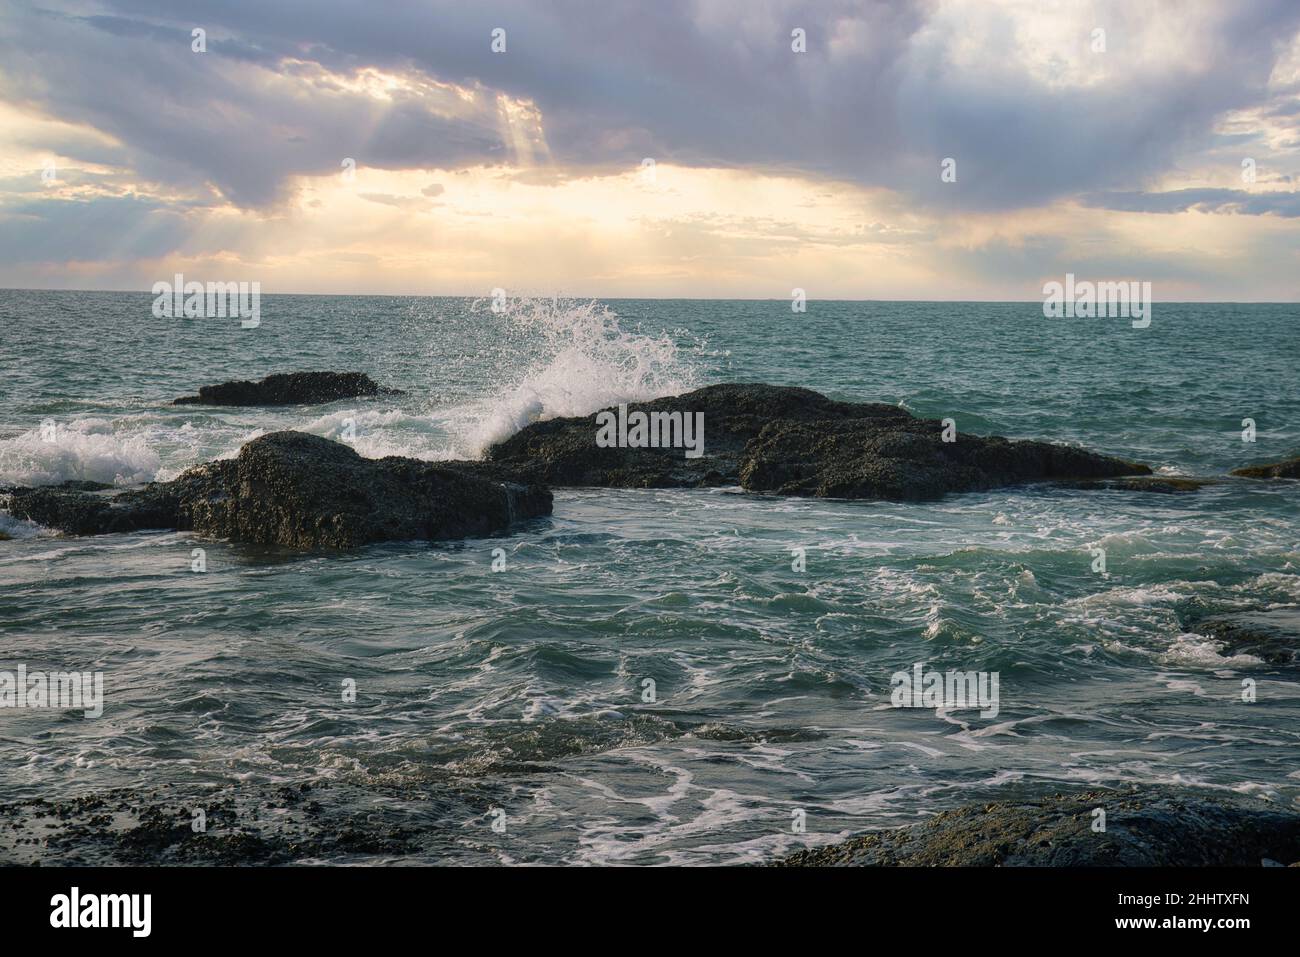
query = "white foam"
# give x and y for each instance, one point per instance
(375, 434)
(584, 361)
(18, 528)
(1198, 651)
(85, 449)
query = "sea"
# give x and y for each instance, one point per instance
(651, 677)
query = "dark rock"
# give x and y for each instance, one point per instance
(1287, 469)
(249, 825)
(797, 442)
(76, 512)
(83, 485)
(65, 506)
(1146, 827)
(293, 388)
(290, 488)
(301, 491)
(867, 458)
(1272, 634)
(1165, 484)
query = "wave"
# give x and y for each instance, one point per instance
(376, 433)
(579, 360)
(86, 449)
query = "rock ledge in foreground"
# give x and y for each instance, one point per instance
(1145, 827)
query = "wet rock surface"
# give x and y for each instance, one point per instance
(302, 823)
(289, 388)
(1290, 468)
(76, 511)
(1145, 827)
(1163, 484)
(300, 491)
(793, 441)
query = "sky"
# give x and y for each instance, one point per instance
(912, 149)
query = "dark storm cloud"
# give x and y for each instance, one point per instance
(878, 99)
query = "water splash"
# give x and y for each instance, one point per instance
(578, 360)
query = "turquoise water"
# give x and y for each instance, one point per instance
(522, 689)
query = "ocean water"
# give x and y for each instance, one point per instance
(520, 692)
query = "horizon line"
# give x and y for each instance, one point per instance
(488, 295)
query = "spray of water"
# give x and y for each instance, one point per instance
(577, 359)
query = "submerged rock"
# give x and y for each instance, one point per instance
(292, 388)
(1145, 827)
(794, 441)
(1272, 634)
(1290, 468)
(301, 491)
(1164, 484)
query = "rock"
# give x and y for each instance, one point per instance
(1289, 468)
(1271, 634)
(290, 488)
(1145, 827)
(797, 442)
(867, 458)
(293, 388)
(1165, 484)
(301, 491)
(76, 512)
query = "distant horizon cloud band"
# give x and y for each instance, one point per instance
(917, 150)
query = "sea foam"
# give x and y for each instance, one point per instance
(85, 449)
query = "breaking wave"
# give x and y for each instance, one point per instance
(578, 360)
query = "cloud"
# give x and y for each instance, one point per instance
(884, 92)
(241, 119)
(110, 228)
(401, 202)
(823, 164)
(1201, 200)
